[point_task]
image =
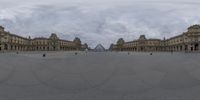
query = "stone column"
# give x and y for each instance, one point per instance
(192, 47)
(2, 46)
(189, 47)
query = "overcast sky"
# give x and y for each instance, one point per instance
(99, 21)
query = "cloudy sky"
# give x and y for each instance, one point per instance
(99, 21)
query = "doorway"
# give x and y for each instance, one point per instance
(6, 47)
(54, 48)
(142, 48)
(196, 47)
(191, 48)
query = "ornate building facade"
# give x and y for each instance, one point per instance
(187, 41)
(12, 42)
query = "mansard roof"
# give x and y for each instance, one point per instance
(18, 36)
(132, 41)
(1, 27)
(65, 40)
(53, 36)
(154, 39)
(176, 36)
(194, 27)
(40, 38)
(142, 37)
(120, 41)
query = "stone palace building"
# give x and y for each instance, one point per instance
(12, 42)
(188, 41)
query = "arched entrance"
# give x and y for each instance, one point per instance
(181, 48)
(142, 48)
(186, 47)
(191, 48)
(196, 46)
(54, 48)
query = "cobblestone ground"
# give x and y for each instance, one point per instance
(99, 76)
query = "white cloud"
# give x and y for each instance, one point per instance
(99, 21)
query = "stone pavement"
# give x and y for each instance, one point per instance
(99, 76)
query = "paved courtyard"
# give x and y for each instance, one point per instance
(99, 76)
